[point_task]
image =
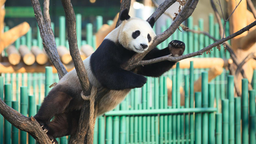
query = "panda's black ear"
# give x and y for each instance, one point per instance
(151, 21)
(124, 15)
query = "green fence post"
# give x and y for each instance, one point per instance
(218, 134)
(39, 39)
(23, 110)
(29, 38)
(237, 120)
(245, 117)
(8, 101)
(205, 105)
(198, 118)
(178, 79)
(211, 31)
(89, 34)
(99, 21)
(174, 105)
(109, 136)
(211, 115)
(79, 30)
(186, 90)
(15, 131)
(254, 80)
(102, 130)
(62, 31)
(17, 43)
(201, 36)
(190, 34)
(191, 88)
(252, 117)
(48, 79)
(122, 125)
(1, 117)
(31, 112)
(225, 121)
(230, 94)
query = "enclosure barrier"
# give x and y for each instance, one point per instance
(145, 117)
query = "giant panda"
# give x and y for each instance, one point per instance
(103, 68)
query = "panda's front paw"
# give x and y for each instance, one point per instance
(140, 81)
(176, 48)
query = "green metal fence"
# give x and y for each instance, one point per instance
(144, 116)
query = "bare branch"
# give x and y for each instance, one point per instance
(78, 63)
(124, 5)
(161, 9)
(48, 39)
(200, 52)
(29, 125)
(246, 59)
(252, 8)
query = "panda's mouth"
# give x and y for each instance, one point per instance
(139, 49)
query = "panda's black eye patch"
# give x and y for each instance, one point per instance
(149, 38)
(135, 34)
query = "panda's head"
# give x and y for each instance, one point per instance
(135, 34)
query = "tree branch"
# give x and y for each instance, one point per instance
(250, 4)
(200, 52)
(48, 37)
(246, 59)
(161, 9)
(29, 125)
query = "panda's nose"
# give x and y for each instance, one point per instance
(144, 46)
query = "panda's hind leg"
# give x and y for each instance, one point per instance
(63, 124)
(55, 103)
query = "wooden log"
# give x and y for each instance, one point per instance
(41, 56)
(87, 50)
(249, 40)
(2, 14)
(204, 62)
(13, 55)
(212, 73)
(64, 54)
(6, 67)
(13, 34)
(27, 57)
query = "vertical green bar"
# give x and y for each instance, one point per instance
(211, 115)
(225, 121)
(8, 101)
(116, 130)
(237, 120)
(252, 117)
(245, 117)
(196, 40)
(109, 135)
(89, 34)
(254, 80)
(52, 26)
(198, 119)
(39, 39)
(211, 30)
(34, 84)
(29, 38)
(99, 20)
(122, 125)
(230, 92)
(31, 112)
(177, 95)
(217, 36)
(17, 89)
(63, 140)
(186, 90)
(191, 88)
(201, 36)
(62, 31)
(23, 110)
(205, 105)
(95, 139)
(17, 43)
(15, 131)
(218, 134)
(79, 30)
(39, 88)
(174, 105)
(1, 117)
(48, 79)
(101, 130)
(190, 35)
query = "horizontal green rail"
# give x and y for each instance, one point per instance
(160, 111)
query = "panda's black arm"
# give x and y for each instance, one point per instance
(156, 69)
